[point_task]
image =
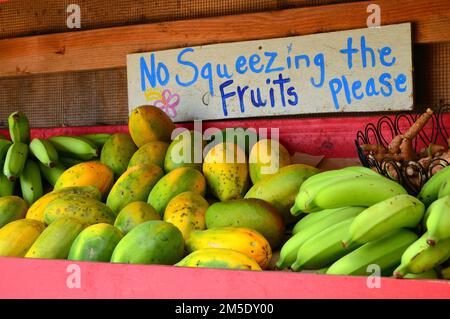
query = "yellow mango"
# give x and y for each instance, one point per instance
(187, 212)
(85, 174)
(226, 171)
(266, 158)
(148, 123)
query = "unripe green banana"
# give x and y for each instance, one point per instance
(329, 175)
(15, 160)
(44, 151)
(430, 274)
(430, 190)
(75, 146)
(317, 217)
(4, 146)
(385, 252)
(19, 127)
(420, 257)
(31, 182)
(445, 272)
(360, 169)
(324, 248)
(304, 201)
(51, 175)
(438, 220)
(7, 188)
(401, 211)
(288, 253)
(98, 139)
(362, 190)
(444, 190)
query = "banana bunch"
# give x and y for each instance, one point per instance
(352, 186)
(356, 218)
(29, 162)
(307, 230)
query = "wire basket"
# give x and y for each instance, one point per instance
(410, 174)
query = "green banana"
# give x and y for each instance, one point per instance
(445, 272)
(420, 257)
(430, 274)
(401, 211)
(31, 182)
(360, 169)
(288, 253)
(444, 190)
(304, 201)
(4, 146)
(7, 188)
(438, 220)
(385, 252)
(430, 190)
(44, 151)
(329, 175)
(19, 127)
(15, 160)
(69, 162)
(75, 146)
(317, 217)
(98, 139)
(51, 175)
(324, 248)
(362, 190)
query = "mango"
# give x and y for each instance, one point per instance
(226, 172)
(179, 180)
(251, 213)
(55, 241)
(87, 174)
(152, 242)
(219, 258)
(87, 210)
(187, 212)
(133, 214)
(95, 243)
(242, 239)
(148, 123)
(245, 138)
(117, 152)
(17, 237)
(11, 208)
(266, 158)
(186, 150)
(281, 188)
(36, 211)
(134, 185)
(150, 153)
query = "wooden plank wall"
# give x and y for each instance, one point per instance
(100, 96)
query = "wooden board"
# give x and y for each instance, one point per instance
(363, 70)
(20, 18)
(107, 48)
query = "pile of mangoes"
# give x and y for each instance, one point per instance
(135, 201)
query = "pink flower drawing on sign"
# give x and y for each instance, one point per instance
(168, 103)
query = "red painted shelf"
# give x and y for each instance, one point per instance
(29, 278)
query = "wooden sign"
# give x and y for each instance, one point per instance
(363, 70)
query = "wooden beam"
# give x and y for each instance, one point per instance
(107, 48)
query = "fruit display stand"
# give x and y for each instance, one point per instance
(332, 137)
(30, 278)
